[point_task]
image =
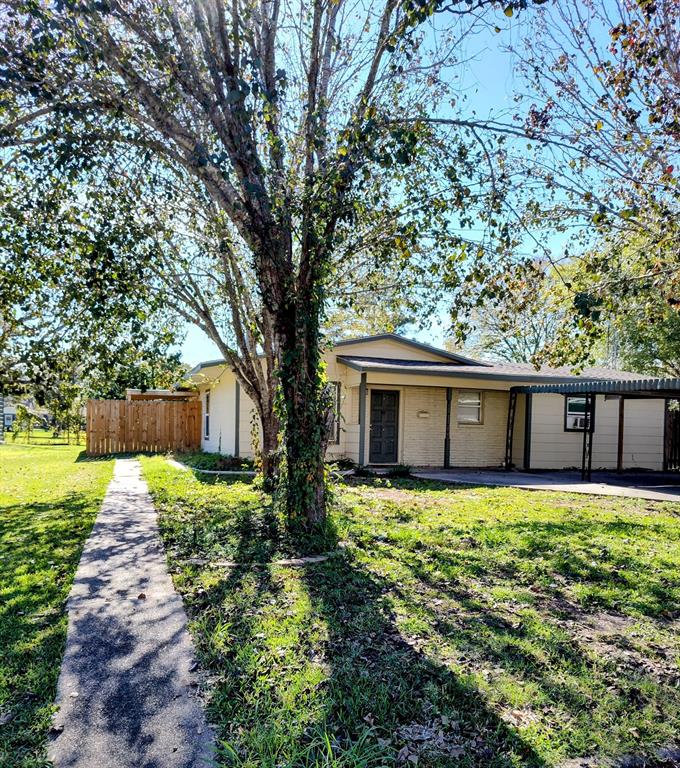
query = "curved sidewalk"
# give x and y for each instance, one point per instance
(125, 690)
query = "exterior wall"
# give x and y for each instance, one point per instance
(421, 438)
(643, 440)
(643, 434)
(349, 425)
(222, 413)
(481, 445)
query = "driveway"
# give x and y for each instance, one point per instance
(655, 486)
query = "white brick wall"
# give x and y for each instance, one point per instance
(422, 441)
(481, 445)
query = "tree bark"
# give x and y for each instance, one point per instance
(302, 406)
(303, 426)
(269, 450)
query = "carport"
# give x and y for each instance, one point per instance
(663, 389)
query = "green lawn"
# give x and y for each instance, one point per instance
(49, 498)
(45, 437)
(457, 626)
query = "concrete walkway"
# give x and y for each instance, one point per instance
(652, 486)
(125, 690)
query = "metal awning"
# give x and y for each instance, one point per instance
(666, 388)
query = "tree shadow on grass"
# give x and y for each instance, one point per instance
(311, 669)
(40, 545)
(385, 697)
(315, 667)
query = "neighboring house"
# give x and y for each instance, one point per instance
(10, 410)
(403, 402)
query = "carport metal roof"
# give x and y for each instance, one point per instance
(666, 388)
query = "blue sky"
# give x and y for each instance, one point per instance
(487, 83)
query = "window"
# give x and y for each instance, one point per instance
(469, 407)
(334, 391)
(575, 419)
(207, 414)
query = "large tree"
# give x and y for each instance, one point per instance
(302, 124)
(599, 98)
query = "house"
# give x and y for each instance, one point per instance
(9, 410)
(405, 402)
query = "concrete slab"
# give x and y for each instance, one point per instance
(125, 690)
(651, 486)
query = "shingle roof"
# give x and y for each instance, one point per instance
(502, 371)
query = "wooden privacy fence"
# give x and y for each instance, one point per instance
(124, 426)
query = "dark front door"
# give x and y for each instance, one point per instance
(384, 430)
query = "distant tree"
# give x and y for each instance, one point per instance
(651, 348)
(601, 111)
(513, 334)
(132, 366)
(26, 420)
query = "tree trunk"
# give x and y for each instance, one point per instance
(270, 451)
(303, 415)
(305, 487)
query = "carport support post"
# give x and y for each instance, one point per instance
(588, 428)
(527, 431)
(510, 428)
(619, 452)
(447, 438)
(362, 420)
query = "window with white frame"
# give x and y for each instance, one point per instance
(334, 391)
(207, 415)
(575, 417)
(469, 410)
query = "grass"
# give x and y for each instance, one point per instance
(45, 437)
(215, 461)
(49, 498)
(456, 626)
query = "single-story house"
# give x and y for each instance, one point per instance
(9, 410)
(405, 402)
